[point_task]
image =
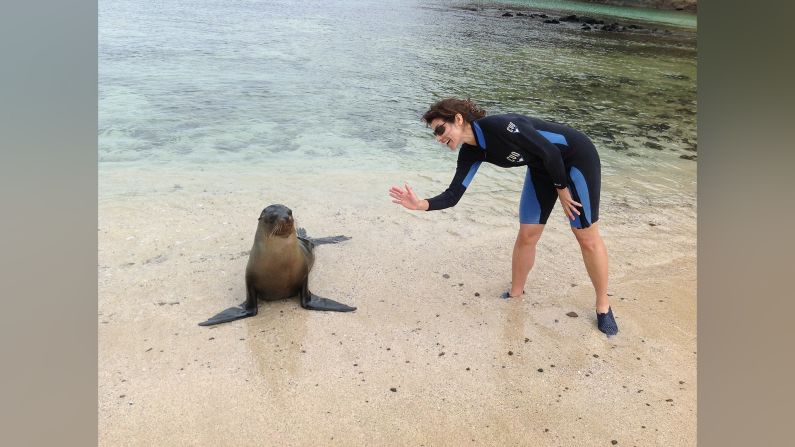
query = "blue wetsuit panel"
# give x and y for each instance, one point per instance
(529, 206)
(554, 138)
(581, 188)
(479, 136)
(472, 171)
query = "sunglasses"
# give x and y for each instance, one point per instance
(439, 130)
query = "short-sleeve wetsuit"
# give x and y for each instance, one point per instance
(556, 156)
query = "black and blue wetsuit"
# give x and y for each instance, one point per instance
(556, 156)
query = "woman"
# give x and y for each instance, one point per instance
(562, 164)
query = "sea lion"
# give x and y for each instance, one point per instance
(278, 266)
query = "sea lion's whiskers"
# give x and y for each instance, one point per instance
(276, 229)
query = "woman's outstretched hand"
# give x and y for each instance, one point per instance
(569, 205)
(407, 198)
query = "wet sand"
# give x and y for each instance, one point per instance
(431, 357)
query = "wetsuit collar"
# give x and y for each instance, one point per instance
(479, 138)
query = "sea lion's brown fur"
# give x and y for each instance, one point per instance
(278, 267)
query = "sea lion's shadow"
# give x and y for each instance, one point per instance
(278, 342)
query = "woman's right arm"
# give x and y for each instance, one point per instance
(465, 171)
(407, 198)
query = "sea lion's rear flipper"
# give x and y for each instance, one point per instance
(328, 240)
(313, 302)
(320, 240)
(231, 314)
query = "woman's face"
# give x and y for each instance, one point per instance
(447, 133)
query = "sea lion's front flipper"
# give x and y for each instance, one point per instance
(313, 302)
(231, 314)
(245, 310)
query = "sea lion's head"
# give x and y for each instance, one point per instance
(277, 220)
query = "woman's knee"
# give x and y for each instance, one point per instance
(588, 238)
(529, 234)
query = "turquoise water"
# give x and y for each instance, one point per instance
(677, 18)
(344, 83)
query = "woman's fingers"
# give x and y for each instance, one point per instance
(570, 208)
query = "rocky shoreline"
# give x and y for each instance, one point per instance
(587, 23)
(678, 5)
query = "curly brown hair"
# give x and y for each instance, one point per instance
(447, 109)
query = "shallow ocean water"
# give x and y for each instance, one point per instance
(215, 85)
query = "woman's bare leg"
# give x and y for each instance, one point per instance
(524, 255)
(594, 254)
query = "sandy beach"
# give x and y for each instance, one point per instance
(432, 356)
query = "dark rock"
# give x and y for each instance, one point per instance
(653, 145)
(572, 314)
(570, 18)
(585, 28)
(510, 352)
(678, 77)
(614, 442)
(446, 276)
(589, 20)
(689, 157)
(540, 370)
(477, 294)
(507, 14)
(394, 390)
(551, 21)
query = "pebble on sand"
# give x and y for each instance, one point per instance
(394, 390)
(572, 314)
